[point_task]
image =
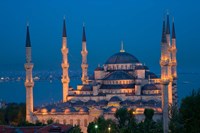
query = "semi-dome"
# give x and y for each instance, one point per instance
(115, 99)
(119, 75)
(69, 110)
(122, 58)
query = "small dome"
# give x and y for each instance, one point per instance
(78, 103)
(103, 103)
(149, 87)
(44, 110)
(91, 102)
(119, 75)
(83, 109)
(112, 109)
(115, 99)
(69, 110)
(126, 102)
(53, 110)
(122, 58)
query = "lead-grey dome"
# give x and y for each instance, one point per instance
(122, 58)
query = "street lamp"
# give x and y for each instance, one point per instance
(109, 128)
(96, 126)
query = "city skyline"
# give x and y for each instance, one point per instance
(106, 26)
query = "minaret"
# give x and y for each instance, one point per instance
(164, 62)
(29, 79)
(169, 73)
(174, 64)
(84, 54)
(65, 65)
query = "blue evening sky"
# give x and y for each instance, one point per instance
(137, 22)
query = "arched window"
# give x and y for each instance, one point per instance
(78, 122)
(85, 122)
(43, 121)
(64, 122)
(57, 121)
(71, 122)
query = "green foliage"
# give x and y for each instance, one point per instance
(149, 125)
(148, 114)
(126, 123)
(175, 124)
(49, 121)
(75, 129)
(126, 120)
(103, 126)
(13, 114)
(190, 112)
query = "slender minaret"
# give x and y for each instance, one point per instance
(169, 69)
(65, 65)
(164, 62)
(84, 54)
(174, 64)
(29, 79)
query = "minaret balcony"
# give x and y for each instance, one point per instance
(65, 80)
(84, 66)
(28, 66)
(164, 62)
(173, 63)
(65, 65)
(84, 52)
(64, 50)
(165, 81)
(29, 84)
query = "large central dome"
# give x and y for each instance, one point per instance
(122, 58)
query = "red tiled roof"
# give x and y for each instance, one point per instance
(46, 129)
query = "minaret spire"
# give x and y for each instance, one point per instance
(29, 83)
(84, 54)
(65, 65)
(163, 39)
(122, 47)
(168, 25)
(173, 30)
(64, 28)
(28, 41)
(83, 35)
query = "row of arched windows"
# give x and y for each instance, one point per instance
(118, 81)
(121, 67)
(71, 122)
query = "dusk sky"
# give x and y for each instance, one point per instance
(137, 22)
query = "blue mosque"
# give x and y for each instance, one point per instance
(122, 81)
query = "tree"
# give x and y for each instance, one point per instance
(176, 124)
(126, 120)
(190, 112)
(49, 121)
(103, 126)
(149, 125)
(75, 129)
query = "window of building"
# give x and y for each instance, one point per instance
(64, 122)
(57, 121)
(78, 122)
(85, 122)
(71, 122)
(43, 121)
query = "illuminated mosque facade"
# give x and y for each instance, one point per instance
(123, 81)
